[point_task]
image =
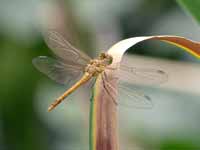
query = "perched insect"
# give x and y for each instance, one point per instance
(72, 63)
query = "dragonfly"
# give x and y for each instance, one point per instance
(74, 68)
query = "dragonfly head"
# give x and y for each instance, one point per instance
(106, 58)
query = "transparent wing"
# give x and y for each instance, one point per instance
(145, 76)
(58, 71)
(128, 95)
(63, 49)
(131, 97)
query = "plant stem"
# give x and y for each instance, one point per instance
(103, 118)
(91, 124)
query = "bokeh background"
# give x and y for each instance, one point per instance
(93, 25)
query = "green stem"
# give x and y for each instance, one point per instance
(91, 142)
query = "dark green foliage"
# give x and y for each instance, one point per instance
(192, 6)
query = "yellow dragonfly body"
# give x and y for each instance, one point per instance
(94, 68)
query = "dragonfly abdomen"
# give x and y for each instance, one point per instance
(83, 80)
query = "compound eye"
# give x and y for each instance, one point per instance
(102, 55)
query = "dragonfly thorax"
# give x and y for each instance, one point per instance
(97, 66)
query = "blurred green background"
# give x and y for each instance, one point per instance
(94, 25)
